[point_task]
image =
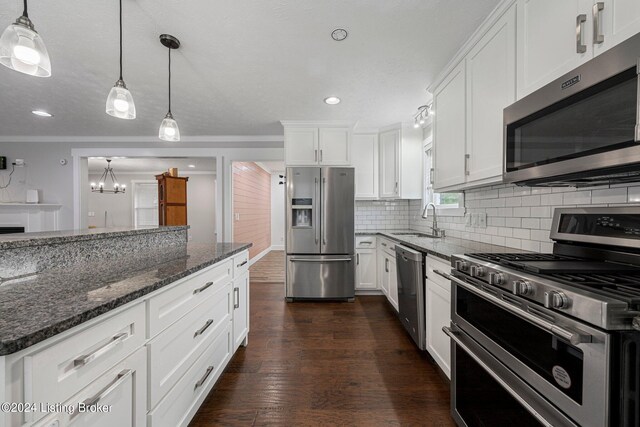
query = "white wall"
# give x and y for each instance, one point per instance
(277, 212)
(119, 207)
(201, 211)
(56, 182)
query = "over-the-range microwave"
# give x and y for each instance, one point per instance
(582, 129)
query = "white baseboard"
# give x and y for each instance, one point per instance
(277, 247)
(369, 292)
(260, 255)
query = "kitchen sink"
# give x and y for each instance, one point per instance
(430, 236)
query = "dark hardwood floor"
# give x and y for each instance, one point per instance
(269, 269)
(326, 364)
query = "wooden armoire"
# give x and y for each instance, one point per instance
(172, 199)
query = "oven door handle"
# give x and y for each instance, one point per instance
(573, 337)
(453, 335)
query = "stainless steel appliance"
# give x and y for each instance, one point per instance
(411, 293)
(320, 239)
(581, 129)
(551, 339)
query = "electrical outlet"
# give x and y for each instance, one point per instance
(482, 220)
(19, 162)
(92, 214)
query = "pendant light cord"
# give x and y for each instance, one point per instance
(24, 12)
(120, 38)
(169, 80)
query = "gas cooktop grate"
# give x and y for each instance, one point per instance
(616, 285)
(510, 257)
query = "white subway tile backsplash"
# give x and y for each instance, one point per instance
(531, 223)
(609, 195)
(577, 198)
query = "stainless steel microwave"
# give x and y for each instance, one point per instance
(582, 129)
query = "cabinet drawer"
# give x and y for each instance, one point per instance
(123, 388)
(432, 264)
(175, 349)
(181, 403)
(240, 264)
(388, 246)
(170, 305)
(63, 369)
(365, 242)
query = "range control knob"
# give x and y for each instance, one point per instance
(522, 288)
(477, 271)
(556, 299)
(461, 265)
(496, 278)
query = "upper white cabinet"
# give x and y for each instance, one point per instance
(491, 86)
(554, 36)
(468, 104)
(311, 145)
(365, 163)
(618, 20)
(401, 163)
(449, 133)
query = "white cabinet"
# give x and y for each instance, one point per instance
(547, 40)
(469, 103)
(392, 270)
(401, 163)
(438, 312)
(301, 146)
(449, 132)
(366, 269)
(491, 86)
(365, 162)
(240, 310)
(387, 271)
(618, 20)
(381, 269)
(309, 145)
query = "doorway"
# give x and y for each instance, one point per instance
(137, 205)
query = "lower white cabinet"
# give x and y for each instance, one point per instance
(387, 271)
(366, 277)
(116, 398)
(438, 313)
(240, 310)
(153, 361)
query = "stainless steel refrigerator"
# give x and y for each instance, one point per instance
(320, 240)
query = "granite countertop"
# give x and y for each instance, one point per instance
(38, 307)
(441, 247)
(21, 240)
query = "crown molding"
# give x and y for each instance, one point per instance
(145, 139)
(318, 123)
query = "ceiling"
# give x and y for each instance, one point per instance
(153, 165)
(243, 65)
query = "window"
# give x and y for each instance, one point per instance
(451, 204)
(145, 203)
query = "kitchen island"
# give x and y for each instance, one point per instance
(142, 314)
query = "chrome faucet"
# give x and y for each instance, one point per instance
(434, 225)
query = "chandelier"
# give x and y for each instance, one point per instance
(108, 175)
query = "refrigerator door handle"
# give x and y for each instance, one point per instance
(324, 228)
(315, 203)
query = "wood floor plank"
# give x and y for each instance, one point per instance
(318, 364)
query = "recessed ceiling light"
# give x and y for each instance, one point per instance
(42, 113)
(339, 34)
(192, 166)
(332, 100)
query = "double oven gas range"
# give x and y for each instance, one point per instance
(551, 339)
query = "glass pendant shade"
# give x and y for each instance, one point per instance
(120, 102)
(169, 129)
(22, 49)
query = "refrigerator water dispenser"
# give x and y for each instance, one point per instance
(301, 215)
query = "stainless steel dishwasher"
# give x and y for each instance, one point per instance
(411, 293)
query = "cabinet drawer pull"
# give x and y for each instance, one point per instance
(383, 244)
(357, 259)
(366, 242)
(206, 285)
(580, 46)
(598, 37)
(86, 358)
(120, 378)
(242, 263)
(236, 297)
(204, 378)
(204, 328)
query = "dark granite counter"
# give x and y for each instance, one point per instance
(39, 306)
(21, 240)
(441, 247)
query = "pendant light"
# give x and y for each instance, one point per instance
(22, 48)
(169, 128)
(120, 102)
